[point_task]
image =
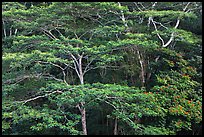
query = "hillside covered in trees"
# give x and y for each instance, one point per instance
(101, 68)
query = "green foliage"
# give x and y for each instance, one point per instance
(114, 51)
(168, 13)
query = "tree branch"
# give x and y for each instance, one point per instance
(155, 27)
(48, 33)
(52, 77)
(31, 99)
(76, 68)
(175, 27)
(64, 75)
(177, 24)
(22, 78)
(123, 17)
(87, 66)
(137, 6)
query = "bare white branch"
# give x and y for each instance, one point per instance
(123, 16)
(31, 99)
(76, 68)
(137, 6)
(64, 75)
(176, 26)
(87, 66)
(155, 27)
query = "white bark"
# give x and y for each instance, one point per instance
(80, 106)
(155, 27)
(83, 120)
(31, 99)
(10, 30)
(164, 45)
(82, 110)
(81, 76)
(4, 29)
(15, 31)
(63, 72)
(142, 67)
(176, 26)
(123, 17)
(172, 35)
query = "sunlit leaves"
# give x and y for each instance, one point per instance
(169, 13)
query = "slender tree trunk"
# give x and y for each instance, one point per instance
(4, 26)
(150, 73)
(15, 31)
(82, 110)
(107, 126)
(83, 119)
(141, 61)
(10, 30)
(116, 127)
(81, 75)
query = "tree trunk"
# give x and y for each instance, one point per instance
(115, 127)
(141, 61)
(81, 79)
(81, 76)
(82, 110)
(4, 29)
(83, 119)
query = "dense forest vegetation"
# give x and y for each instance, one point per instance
(101, 68)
